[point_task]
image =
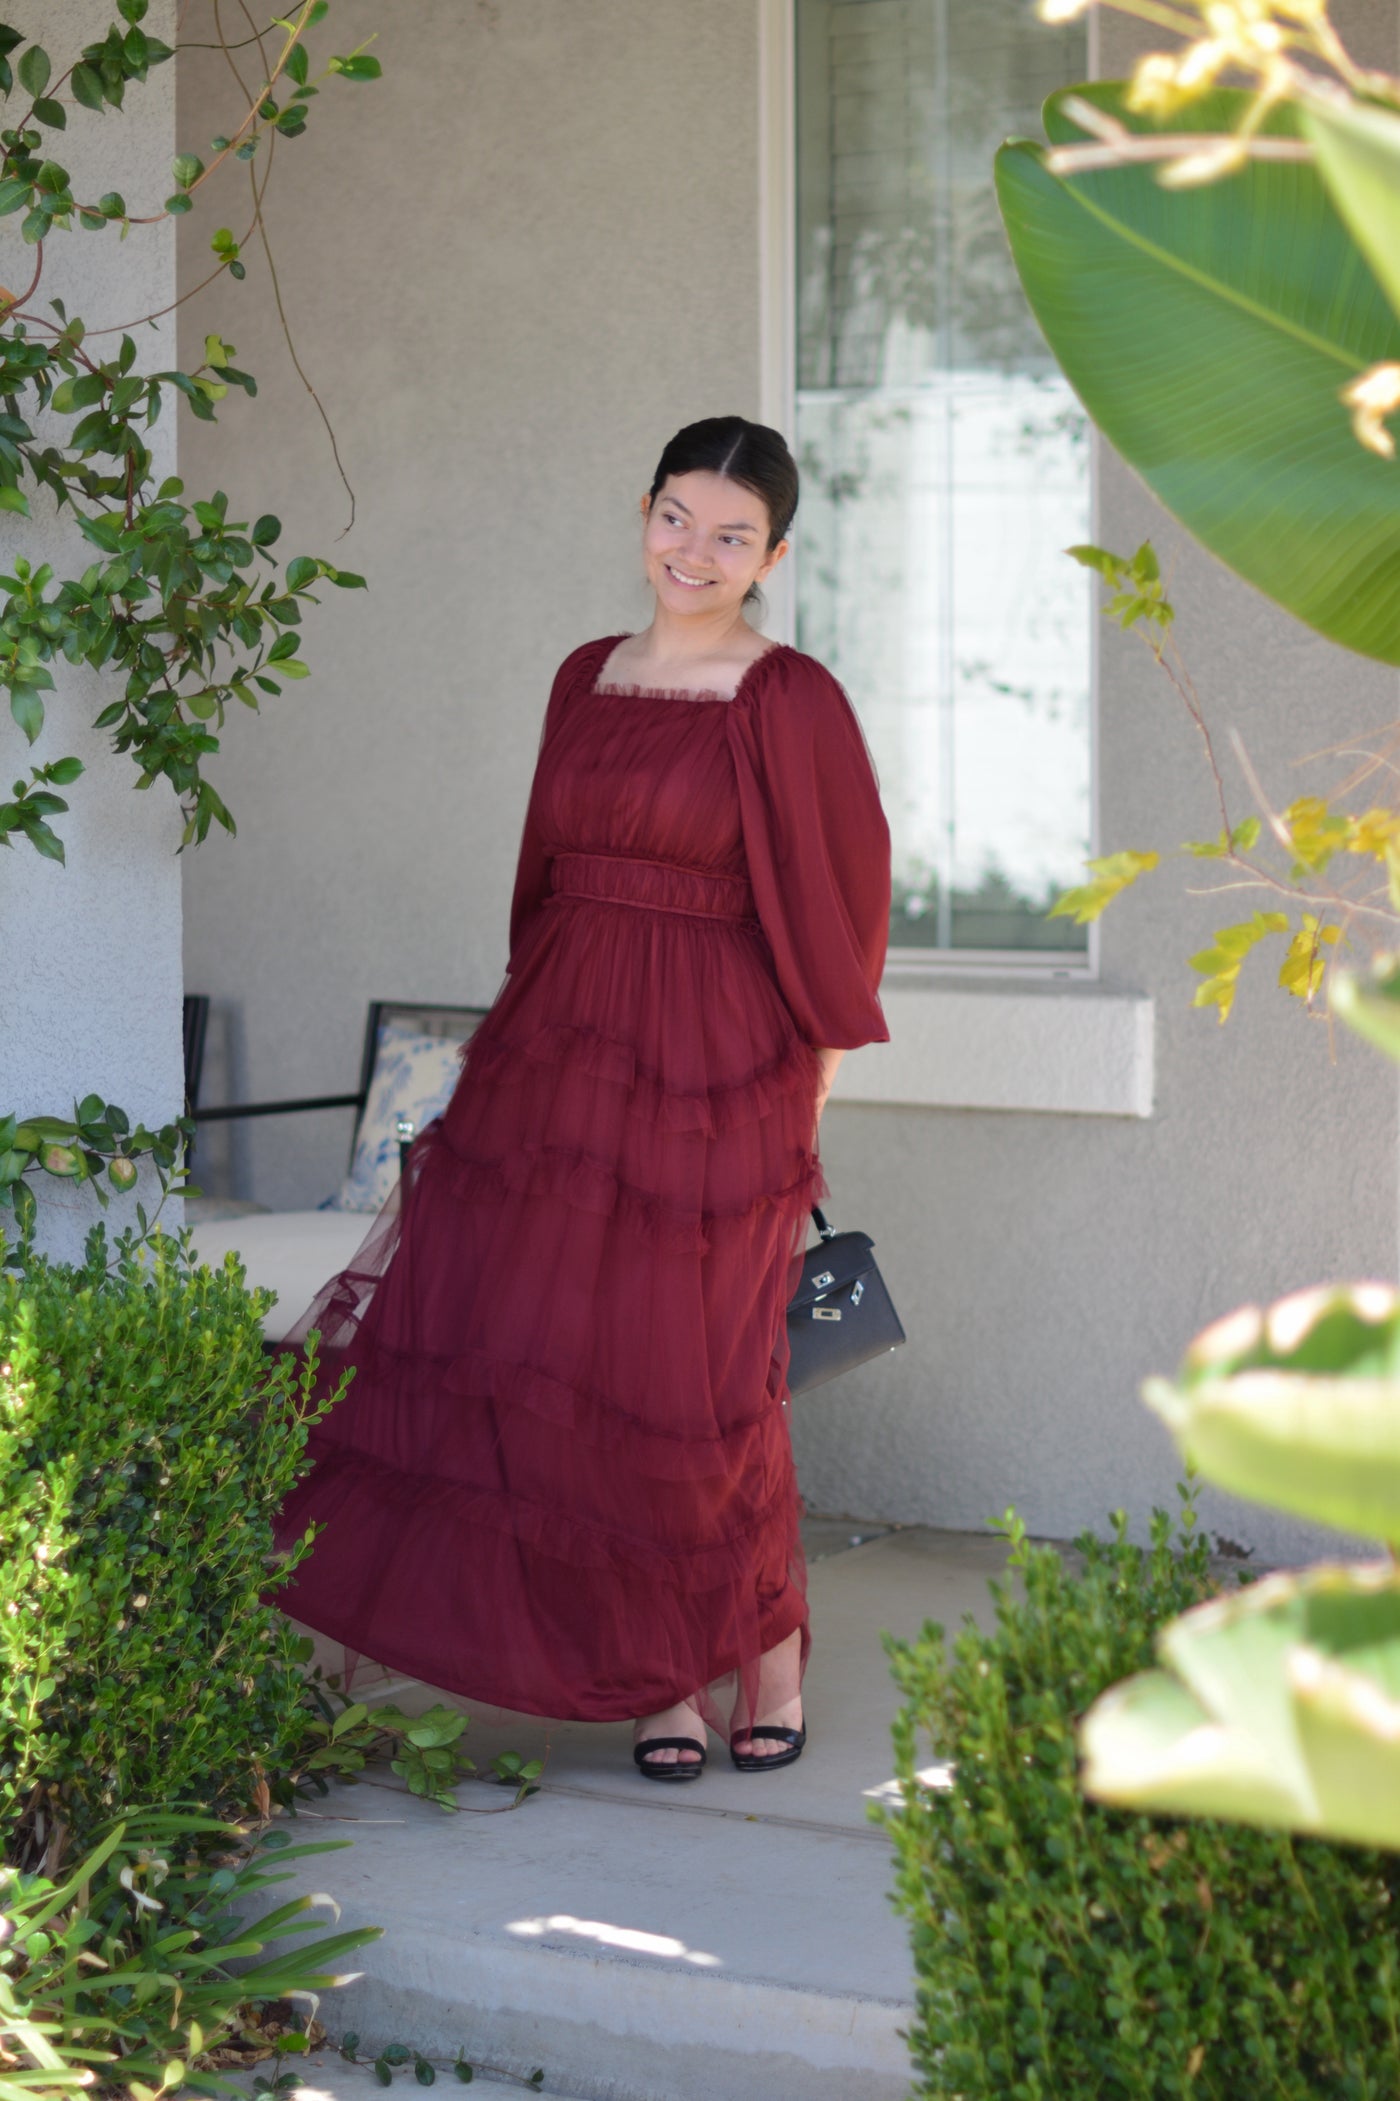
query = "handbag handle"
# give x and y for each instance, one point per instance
(825, 1231)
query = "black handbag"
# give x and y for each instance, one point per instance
(841, 1312)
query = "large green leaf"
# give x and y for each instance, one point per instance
(1371, 1004)
(1298, 1407)
(1279, 1707)
(1358, 152)
(1209, 333)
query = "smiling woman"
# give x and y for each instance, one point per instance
(562, 1479)
(716, 518)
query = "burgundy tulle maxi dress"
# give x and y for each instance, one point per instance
(561, 1480)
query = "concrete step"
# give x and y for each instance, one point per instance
(712, 1942)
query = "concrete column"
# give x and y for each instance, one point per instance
(90, 984)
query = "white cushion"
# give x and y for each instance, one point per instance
(290, 1252)
(413, 1076)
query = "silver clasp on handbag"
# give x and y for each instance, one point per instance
(826, 1313)
(858, 1291)
(824, 1281)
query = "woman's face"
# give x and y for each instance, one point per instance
(706, 543)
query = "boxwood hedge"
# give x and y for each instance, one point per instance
(1067, 1950)
(145, 1445)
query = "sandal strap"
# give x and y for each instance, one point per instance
(773, 1731)
(666, 1743)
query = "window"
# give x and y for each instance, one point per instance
(945, 464)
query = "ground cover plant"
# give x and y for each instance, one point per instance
(1066, 1949)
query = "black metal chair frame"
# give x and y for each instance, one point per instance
(196, 1028)
(379, 1011)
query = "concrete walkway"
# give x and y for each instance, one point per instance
(644, 1943)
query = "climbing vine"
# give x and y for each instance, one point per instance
(185, 611)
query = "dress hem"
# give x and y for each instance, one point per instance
(514, 1701)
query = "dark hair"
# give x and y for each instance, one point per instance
(748, 453)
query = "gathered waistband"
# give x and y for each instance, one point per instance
(653, 886)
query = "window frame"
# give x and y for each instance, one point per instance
(777, 388)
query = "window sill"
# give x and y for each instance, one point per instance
(1056, 1049)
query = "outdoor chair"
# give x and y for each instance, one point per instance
(408, 1068)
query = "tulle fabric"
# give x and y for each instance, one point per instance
(561, 1481)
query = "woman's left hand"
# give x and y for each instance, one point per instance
(828, 1061)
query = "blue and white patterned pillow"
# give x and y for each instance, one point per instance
(413, 1076)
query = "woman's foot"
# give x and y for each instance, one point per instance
(779, 1701)
(681, 1720)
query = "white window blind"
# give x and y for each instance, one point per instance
(945, 464)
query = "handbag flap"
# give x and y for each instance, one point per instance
(833, 1265)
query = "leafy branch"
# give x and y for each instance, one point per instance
(97, 1146)
(1319, 910)
(1288, 49)
(187, 608)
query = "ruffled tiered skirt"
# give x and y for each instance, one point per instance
(561, 1480)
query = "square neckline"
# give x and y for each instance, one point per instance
(702, 694)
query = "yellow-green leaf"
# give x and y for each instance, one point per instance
(1111, 875)
(1376, 833)
(1221, 965)
(1304, 965)
(1315, 831)
(1239, 841)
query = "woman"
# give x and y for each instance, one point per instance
(562, 1478)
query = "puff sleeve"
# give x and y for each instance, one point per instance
(532, 867)
(818, 848)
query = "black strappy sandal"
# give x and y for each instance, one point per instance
(746, 1762)
(690, 1769)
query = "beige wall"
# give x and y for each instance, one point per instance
(513, 267)
(1049, 1263)
(91, 984)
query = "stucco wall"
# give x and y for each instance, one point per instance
(91, 988)
(512, 268)
(1047, 1264)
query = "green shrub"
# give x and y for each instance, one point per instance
(145, 1445)
(1064, 1950)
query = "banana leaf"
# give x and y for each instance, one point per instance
(1358, 154)
(1209, 333)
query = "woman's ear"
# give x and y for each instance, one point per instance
(772, 561)
(645, 505)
